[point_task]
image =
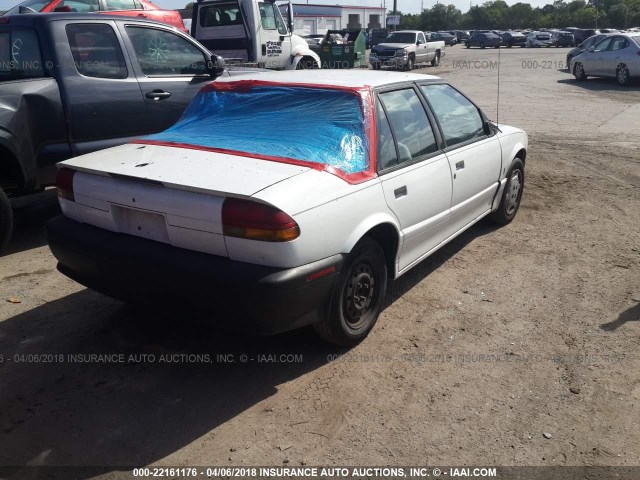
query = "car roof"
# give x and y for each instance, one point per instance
(408, 31)
(345, 78)
(38, 18)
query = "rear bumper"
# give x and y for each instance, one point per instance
(236, 294)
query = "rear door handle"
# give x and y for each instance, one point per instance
(400, 192)
(157, 95)
(460, 165)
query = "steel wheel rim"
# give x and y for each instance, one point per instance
(359, 292)
(512, 194)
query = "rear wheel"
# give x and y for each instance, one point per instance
(376, 66)
(622, 75)
(482, 45)
(6, 221)
(436, 60)
(358, 296)
(579, 73)
(512, 195)
(467, 45)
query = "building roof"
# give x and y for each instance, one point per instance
(344, 78)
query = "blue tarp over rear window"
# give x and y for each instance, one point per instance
(315, 125)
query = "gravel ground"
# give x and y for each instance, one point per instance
(503, 338)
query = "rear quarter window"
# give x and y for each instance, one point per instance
(20, 54)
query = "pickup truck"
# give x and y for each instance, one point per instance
(404, 49)
(74, 83)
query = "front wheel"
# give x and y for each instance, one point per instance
(410, 64)
(6, 221)
(482, 45)
(512, 195)
(436, 61)
(358, 296)
(376, 66)
(467, 45)
(579, 73)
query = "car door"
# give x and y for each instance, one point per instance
(473, 152)
(594, 61)
(170, 69)
(614, 55)
(275, 39)
(422, 53)
(414, 171)
(102, 98)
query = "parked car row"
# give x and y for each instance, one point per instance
(617, 55)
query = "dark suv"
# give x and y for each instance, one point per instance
(562, 39)
(483, 40)
(511, 39)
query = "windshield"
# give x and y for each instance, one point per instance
(399, 37)
(19, 55)
(273, 121)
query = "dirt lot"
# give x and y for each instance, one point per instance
(502, 336)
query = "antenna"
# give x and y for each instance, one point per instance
(498, 98)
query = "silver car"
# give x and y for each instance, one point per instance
(616, 56)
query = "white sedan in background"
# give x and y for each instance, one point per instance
(616, 56)
(243, 209)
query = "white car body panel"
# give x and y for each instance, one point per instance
(131, 188)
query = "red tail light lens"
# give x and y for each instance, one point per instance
(257, 221)
(64, 182)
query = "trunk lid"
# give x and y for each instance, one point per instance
(166, 194)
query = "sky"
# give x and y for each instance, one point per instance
(405, 6)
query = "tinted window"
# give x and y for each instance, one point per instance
(458, 117)
(410, 124)
(220, 15)
(421, 38)
(387, 155)
(20, 54)
(165, 53)
(96, 51)
(619, 43)
(401, 38)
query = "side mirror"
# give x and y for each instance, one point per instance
(418, 42)
(591, 49)
(215, 66)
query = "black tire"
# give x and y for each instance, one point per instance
(364, 272)
(411, 63)
(306, 63)
(467, 45)
(482, 45)
(436, 60)
(376, 66)
(579, 73)
(622, 75)
(512, 195)
(509, 45)
(6, 221)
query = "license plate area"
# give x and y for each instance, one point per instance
(141, 223)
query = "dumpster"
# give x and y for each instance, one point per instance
(343, 49)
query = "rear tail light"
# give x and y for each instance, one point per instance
(64, 182)
(257, 221)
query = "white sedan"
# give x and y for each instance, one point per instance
(246, 208)
(616, 55)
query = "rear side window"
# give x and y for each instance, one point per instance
(459, 119)
(122, 5)
(619, 43)
(20, 55)
(387, 156)
(96, 51)
(166, 54)
(221, 15)
(410, 124)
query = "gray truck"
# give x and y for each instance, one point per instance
(404, 49)
(71, 84)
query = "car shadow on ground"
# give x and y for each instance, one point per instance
(629, 315)
(603, 84)
(163, 380)
(30, 214)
